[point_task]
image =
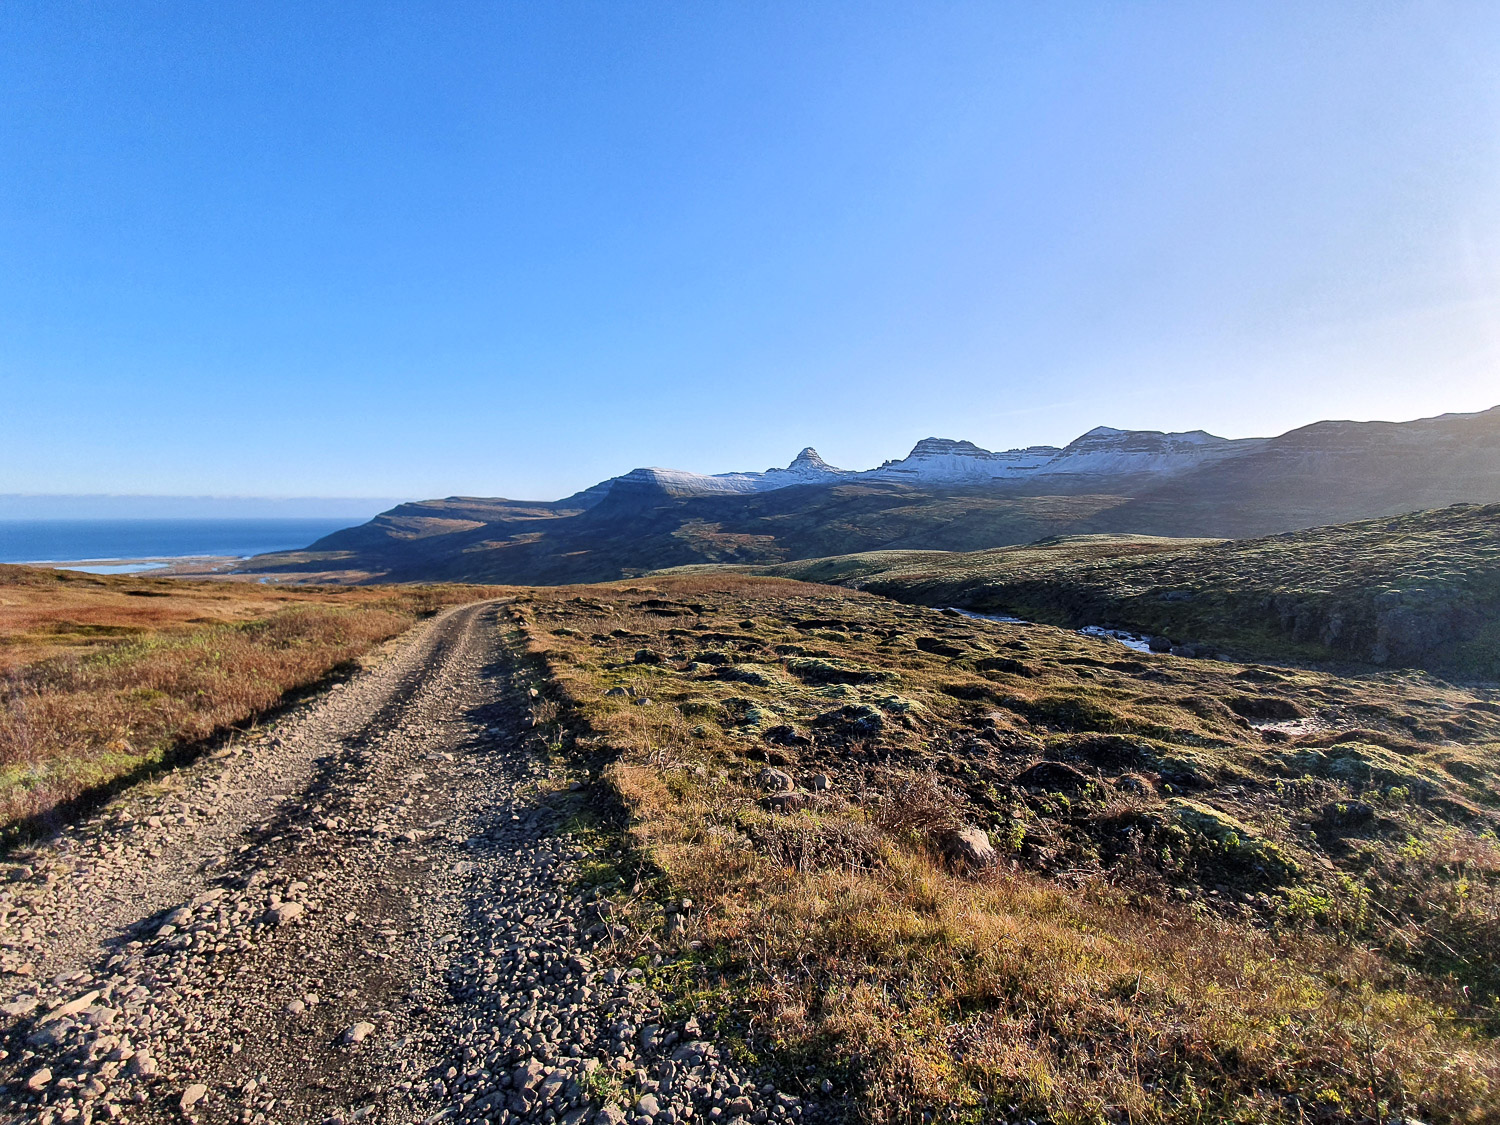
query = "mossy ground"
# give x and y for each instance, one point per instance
(1418, 590)
(1203, 909)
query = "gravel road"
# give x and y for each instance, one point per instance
(369, 913)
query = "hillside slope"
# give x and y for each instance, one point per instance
(1419, 590)
(736, 849)
(946, 495)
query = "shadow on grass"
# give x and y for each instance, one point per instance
(29, 830)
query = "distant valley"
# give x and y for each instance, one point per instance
(944, 495)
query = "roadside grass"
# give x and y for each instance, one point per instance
(108, 706)
(1191, 917)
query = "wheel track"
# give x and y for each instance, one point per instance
(403, 882)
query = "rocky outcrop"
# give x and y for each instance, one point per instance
(1108, 452)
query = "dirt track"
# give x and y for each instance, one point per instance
(371, 914)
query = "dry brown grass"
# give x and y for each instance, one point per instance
(101, 681)
(1052, 988)
(46, 613)
(961, 997)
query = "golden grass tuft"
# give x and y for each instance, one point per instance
(1075, 994)
(202, 658)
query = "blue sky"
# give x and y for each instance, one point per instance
(510, 249)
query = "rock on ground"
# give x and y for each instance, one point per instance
(370, 913)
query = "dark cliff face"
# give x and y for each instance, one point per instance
(1327, 473)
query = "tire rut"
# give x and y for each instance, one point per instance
(401, 936)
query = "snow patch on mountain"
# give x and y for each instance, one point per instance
(1103, 451)
(943, 459)
(1107, 451)
(806, 468)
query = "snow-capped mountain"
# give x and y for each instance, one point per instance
(1105, 451)
(1100, 452)
(944, 495)
(806, 468)
(942, 459)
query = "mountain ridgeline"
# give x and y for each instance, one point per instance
(945, 495)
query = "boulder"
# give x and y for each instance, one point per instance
(786, 802)
(71, 1008)
(359, 1032)
(527, 1075)
(969, 847)
(774, 780)
(192, 1096)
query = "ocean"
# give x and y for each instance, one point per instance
(43, 541)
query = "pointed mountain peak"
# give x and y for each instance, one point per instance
(807, 465)
(809, 458)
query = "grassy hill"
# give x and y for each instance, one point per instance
(1217, 891)
(641, 530)
(1419, 590)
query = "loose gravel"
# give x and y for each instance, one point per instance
(372, 912)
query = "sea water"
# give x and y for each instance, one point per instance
(46, 541)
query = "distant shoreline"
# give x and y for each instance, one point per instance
(160, 566)
(135, 544)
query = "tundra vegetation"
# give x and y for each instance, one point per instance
(978, 870)
(105, 678)
(1419, 590)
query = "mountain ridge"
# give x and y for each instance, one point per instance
(946, 494)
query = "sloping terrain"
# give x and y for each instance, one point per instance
(381, 912)
(639, 529)
(945, 495)
(1003, 872)
(1329, 472)
(743, 850)
(1420, 590)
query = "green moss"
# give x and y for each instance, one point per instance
(1236, 839)
(1358, 763)
(819, 670)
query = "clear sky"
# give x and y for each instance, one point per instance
(420, 249)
